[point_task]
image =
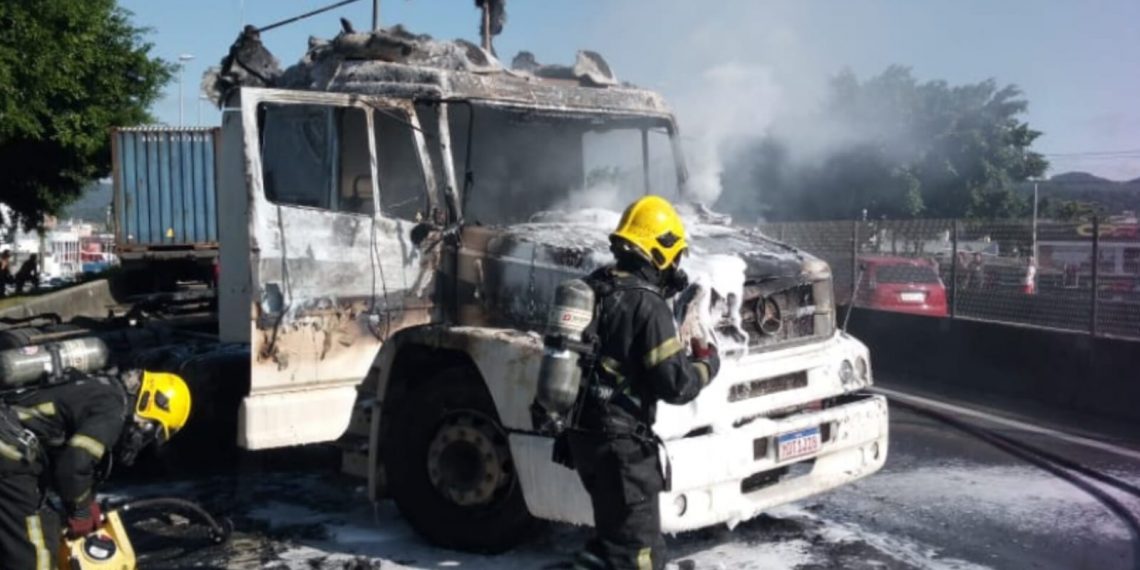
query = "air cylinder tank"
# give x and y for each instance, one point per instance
(559, 375)
(29, 364)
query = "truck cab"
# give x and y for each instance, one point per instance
(395, 213)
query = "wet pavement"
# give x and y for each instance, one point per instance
(945, 500)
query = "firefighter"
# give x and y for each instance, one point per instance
(69, 433)
(640, 360)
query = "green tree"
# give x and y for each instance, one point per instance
(69, 71)
(1069, 210)
(895, 148)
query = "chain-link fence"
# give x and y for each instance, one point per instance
(1015, 271)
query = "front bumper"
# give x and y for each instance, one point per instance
(729, 477)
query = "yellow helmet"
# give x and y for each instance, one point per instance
(653, 227)
(164, 398)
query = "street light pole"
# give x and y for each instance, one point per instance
(182, 59)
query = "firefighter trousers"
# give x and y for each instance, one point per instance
(29, 535)
(622, 474)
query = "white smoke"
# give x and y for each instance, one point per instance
(606, 195)
(735, 102)
(728, 68)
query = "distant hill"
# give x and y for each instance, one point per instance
(1115, 197)
(92, 204)
(1079, 178)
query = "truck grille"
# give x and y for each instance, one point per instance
(779, 317)
(765, 386)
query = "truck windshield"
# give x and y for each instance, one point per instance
(525, 162)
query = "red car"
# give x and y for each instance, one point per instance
(901, 284)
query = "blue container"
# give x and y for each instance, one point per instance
(94, 267)
(165, 189)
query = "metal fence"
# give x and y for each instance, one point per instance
(1011, 271)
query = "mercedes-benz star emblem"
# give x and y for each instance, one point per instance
(768, 315)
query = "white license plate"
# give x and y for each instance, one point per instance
(797, 443)
(913, 297)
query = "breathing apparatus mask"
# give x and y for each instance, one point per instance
(673, 280)
(137, 436)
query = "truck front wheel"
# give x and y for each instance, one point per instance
(450, 466)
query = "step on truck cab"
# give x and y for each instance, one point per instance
(395, 213)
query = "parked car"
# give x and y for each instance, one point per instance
(901, 284)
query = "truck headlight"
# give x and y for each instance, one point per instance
(846, 372)
(681, 504)
(823, 295)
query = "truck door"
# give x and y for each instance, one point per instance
(339, 261)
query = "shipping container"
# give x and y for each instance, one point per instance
(165, 199)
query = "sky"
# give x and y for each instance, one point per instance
(729, 67)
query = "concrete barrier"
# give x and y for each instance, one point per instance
(1073, 371)
(91, 299)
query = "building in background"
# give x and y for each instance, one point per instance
(1068, 248)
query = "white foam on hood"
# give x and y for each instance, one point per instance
(723, 275)
(600, 218)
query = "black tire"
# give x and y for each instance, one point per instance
(451, 401)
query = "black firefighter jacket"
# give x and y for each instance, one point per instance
(77, 423)
(641, 358)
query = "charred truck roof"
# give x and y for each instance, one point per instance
(395, 63)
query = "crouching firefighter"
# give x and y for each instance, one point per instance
(62, 437)
(611, 353)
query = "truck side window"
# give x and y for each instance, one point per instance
(403, 191)
(316, 156)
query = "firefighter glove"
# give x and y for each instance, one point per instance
(705, 353)
(84, 520)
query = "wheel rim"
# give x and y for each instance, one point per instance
(468, 459)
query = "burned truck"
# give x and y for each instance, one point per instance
(395, 214)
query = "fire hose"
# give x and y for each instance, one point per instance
(1061, 467)
(109, 547)
(217, 532)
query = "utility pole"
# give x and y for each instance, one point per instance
(487, 26)
(375, 14)
(182, 59)
(1034, 220)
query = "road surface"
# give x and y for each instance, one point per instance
(945, 500)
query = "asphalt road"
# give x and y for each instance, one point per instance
(945, 500)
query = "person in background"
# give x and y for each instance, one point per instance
(5, 271)
(976, 273)
(1029, 285)
(29, 272)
